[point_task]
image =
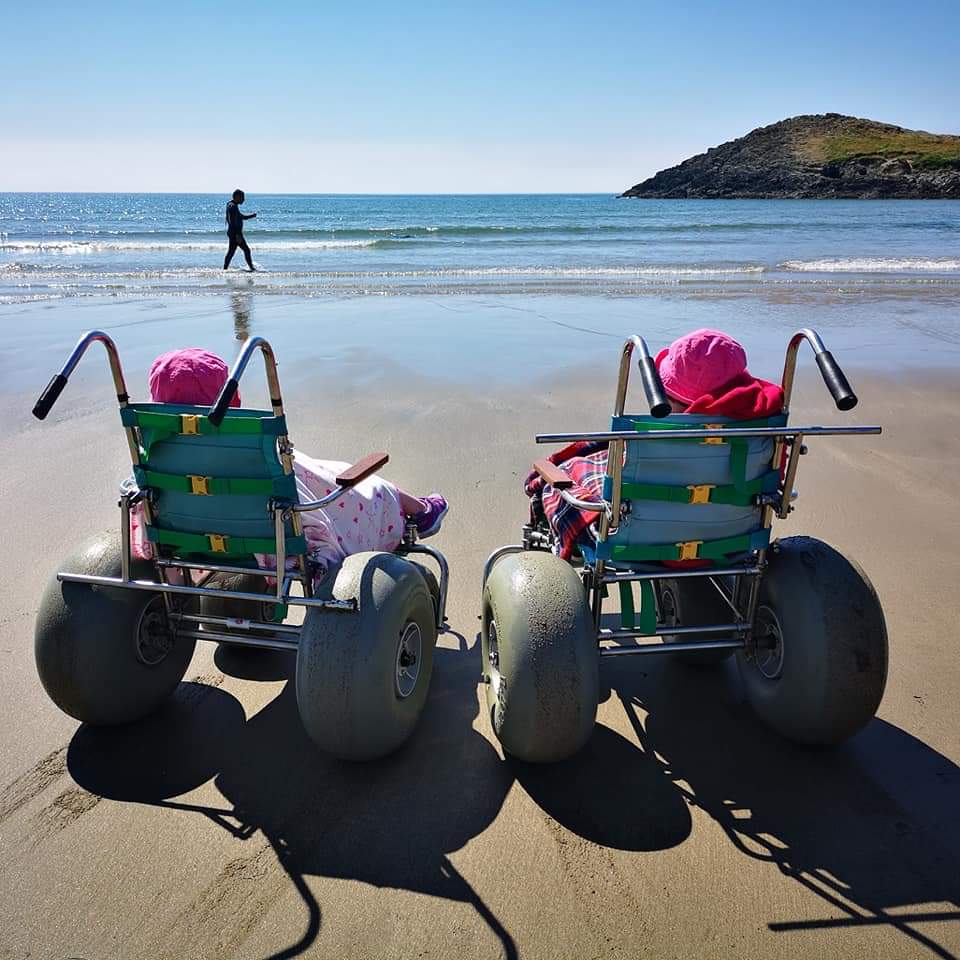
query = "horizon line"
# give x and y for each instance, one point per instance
(307, 193)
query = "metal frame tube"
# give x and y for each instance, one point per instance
(444, 582)
(119, 384)
(172, 588)
(270, 643)
(661, 648)
(727, 599)
(633, 342)
(497, 554)
(215, 568)
(280, 532)
(125, 536)
(595, 506)
(112, 355)
(606, 634)
(236, 623)
(616, 450)
(615, 576)
(790, 476)
(307, 505)
(270, 366)
(631, 436)
(790, 360)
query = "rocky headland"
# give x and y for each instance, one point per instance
(817, 156)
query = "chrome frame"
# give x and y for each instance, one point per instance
(253, 633)
(598, 575)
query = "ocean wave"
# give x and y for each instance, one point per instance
(643, 270)
(49, 273)
(133, 238)
(874, 265)
(80, 247)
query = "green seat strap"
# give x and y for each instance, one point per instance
(647, 426)
(648, 610)
(215, 486)
(729, 494)
(156, 427)
(708, 549)
(173, 422)
(235, 546)
(738, 463)
(627, 619)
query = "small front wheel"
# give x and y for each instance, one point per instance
(816, 667)
(692, 602)
(230, 608)
(363, 675)
(540, 658)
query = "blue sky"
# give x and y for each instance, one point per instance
(393, 97)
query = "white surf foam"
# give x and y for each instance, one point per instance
(73, 247)
(874, 265)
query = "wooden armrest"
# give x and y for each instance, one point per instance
(556, 476)
(362, 469)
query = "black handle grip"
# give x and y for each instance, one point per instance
(653, 388)
(49, 396)
(837, 383)
(219, 410)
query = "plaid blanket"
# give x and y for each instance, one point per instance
(587, 465)
(744, 398)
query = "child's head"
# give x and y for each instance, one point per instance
(191, 375)
(239, 195)
(699, 363)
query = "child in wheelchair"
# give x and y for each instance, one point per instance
(703, 372)
(369, 516)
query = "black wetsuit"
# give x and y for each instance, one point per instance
(235, 239)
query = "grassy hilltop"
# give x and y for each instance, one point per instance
(810, 156)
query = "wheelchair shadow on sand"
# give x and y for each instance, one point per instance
(870, 827)
(392, 823)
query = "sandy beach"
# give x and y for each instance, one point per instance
(215, 830)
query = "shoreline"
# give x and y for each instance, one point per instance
(465, 339)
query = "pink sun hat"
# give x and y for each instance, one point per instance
(699, 363)
(191, 375)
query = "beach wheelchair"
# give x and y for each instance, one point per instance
(804, 621)
(115, 634)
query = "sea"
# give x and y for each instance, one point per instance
(56, 246)
(475, 289)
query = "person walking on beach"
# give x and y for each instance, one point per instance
(234, 219)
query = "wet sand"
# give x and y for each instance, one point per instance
(684, 829)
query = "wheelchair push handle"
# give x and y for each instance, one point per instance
(837, 383)
(59, 380)
(833, 377)
(652, 384)
(49, 396)
(219, 409)
(653, 387)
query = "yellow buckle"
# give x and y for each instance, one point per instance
(189, 423)
(199, 485)
(700, 492)
(218, 542)
(713, 440)
(690, 550)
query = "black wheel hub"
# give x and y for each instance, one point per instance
(154, 638)
(767, 644)
(408, 660)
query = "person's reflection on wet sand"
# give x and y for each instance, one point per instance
(241, 303)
